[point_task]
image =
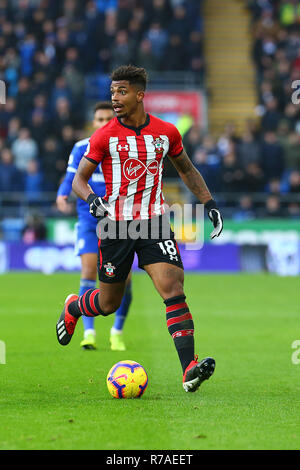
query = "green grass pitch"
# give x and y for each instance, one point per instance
(55, 397)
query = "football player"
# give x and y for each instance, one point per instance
(131, 150)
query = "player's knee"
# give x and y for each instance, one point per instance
(173, 289)
(109, 307)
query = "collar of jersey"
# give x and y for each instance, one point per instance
(137, 130)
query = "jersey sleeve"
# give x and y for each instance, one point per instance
(65, 187)
(96, 150)
(175, 142)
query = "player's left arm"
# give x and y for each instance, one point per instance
(196, 184)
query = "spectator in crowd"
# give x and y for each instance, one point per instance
(124, 13)
(245, 209)
(68, 141)
(160, 11)
(273, 208)
(53, 162)
(272, 116)
(291, 150)
(175, 54)
(210, 172)
(254, 178)
(60, 91)
(13, 130)
(232, 173)
(192, 139)
(24, 99)
(159, 40)
(75, 82)
(293, 210)
(24, 149)
(180, 24)
(227, 138)
(248, 149)
(211, 149)
(39, 128)
(62, 116)
(291, 114)
(273, 163)
(27, 49)
(40, 105)
(11, 178)
(33, 181)
(294, 182)
(194, 60)
(274, 186)
(145, 57)
(122, 51)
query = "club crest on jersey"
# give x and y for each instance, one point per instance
(158, 145)
(109, 270)
(134, 169)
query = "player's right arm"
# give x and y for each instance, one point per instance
(98, 207)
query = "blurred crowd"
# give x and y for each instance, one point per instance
(47, 48)
(248, 173)
(266, 157)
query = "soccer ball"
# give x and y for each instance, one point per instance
(127, 379)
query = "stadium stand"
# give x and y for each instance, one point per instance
(48, 50)
(256, 173)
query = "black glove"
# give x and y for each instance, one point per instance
(98, 207)
(215, 216)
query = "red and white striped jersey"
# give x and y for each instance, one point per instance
(132, 165)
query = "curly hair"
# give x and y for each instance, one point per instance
(134, 75)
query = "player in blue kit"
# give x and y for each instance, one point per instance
(86, 237)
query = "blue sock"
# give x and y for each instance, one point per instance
(85, 285)
(122, 311)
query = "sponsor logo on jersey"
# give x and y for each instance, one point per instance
(134, 169)
(121, 147)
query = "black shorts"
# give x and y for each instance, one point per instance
(116, 254)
